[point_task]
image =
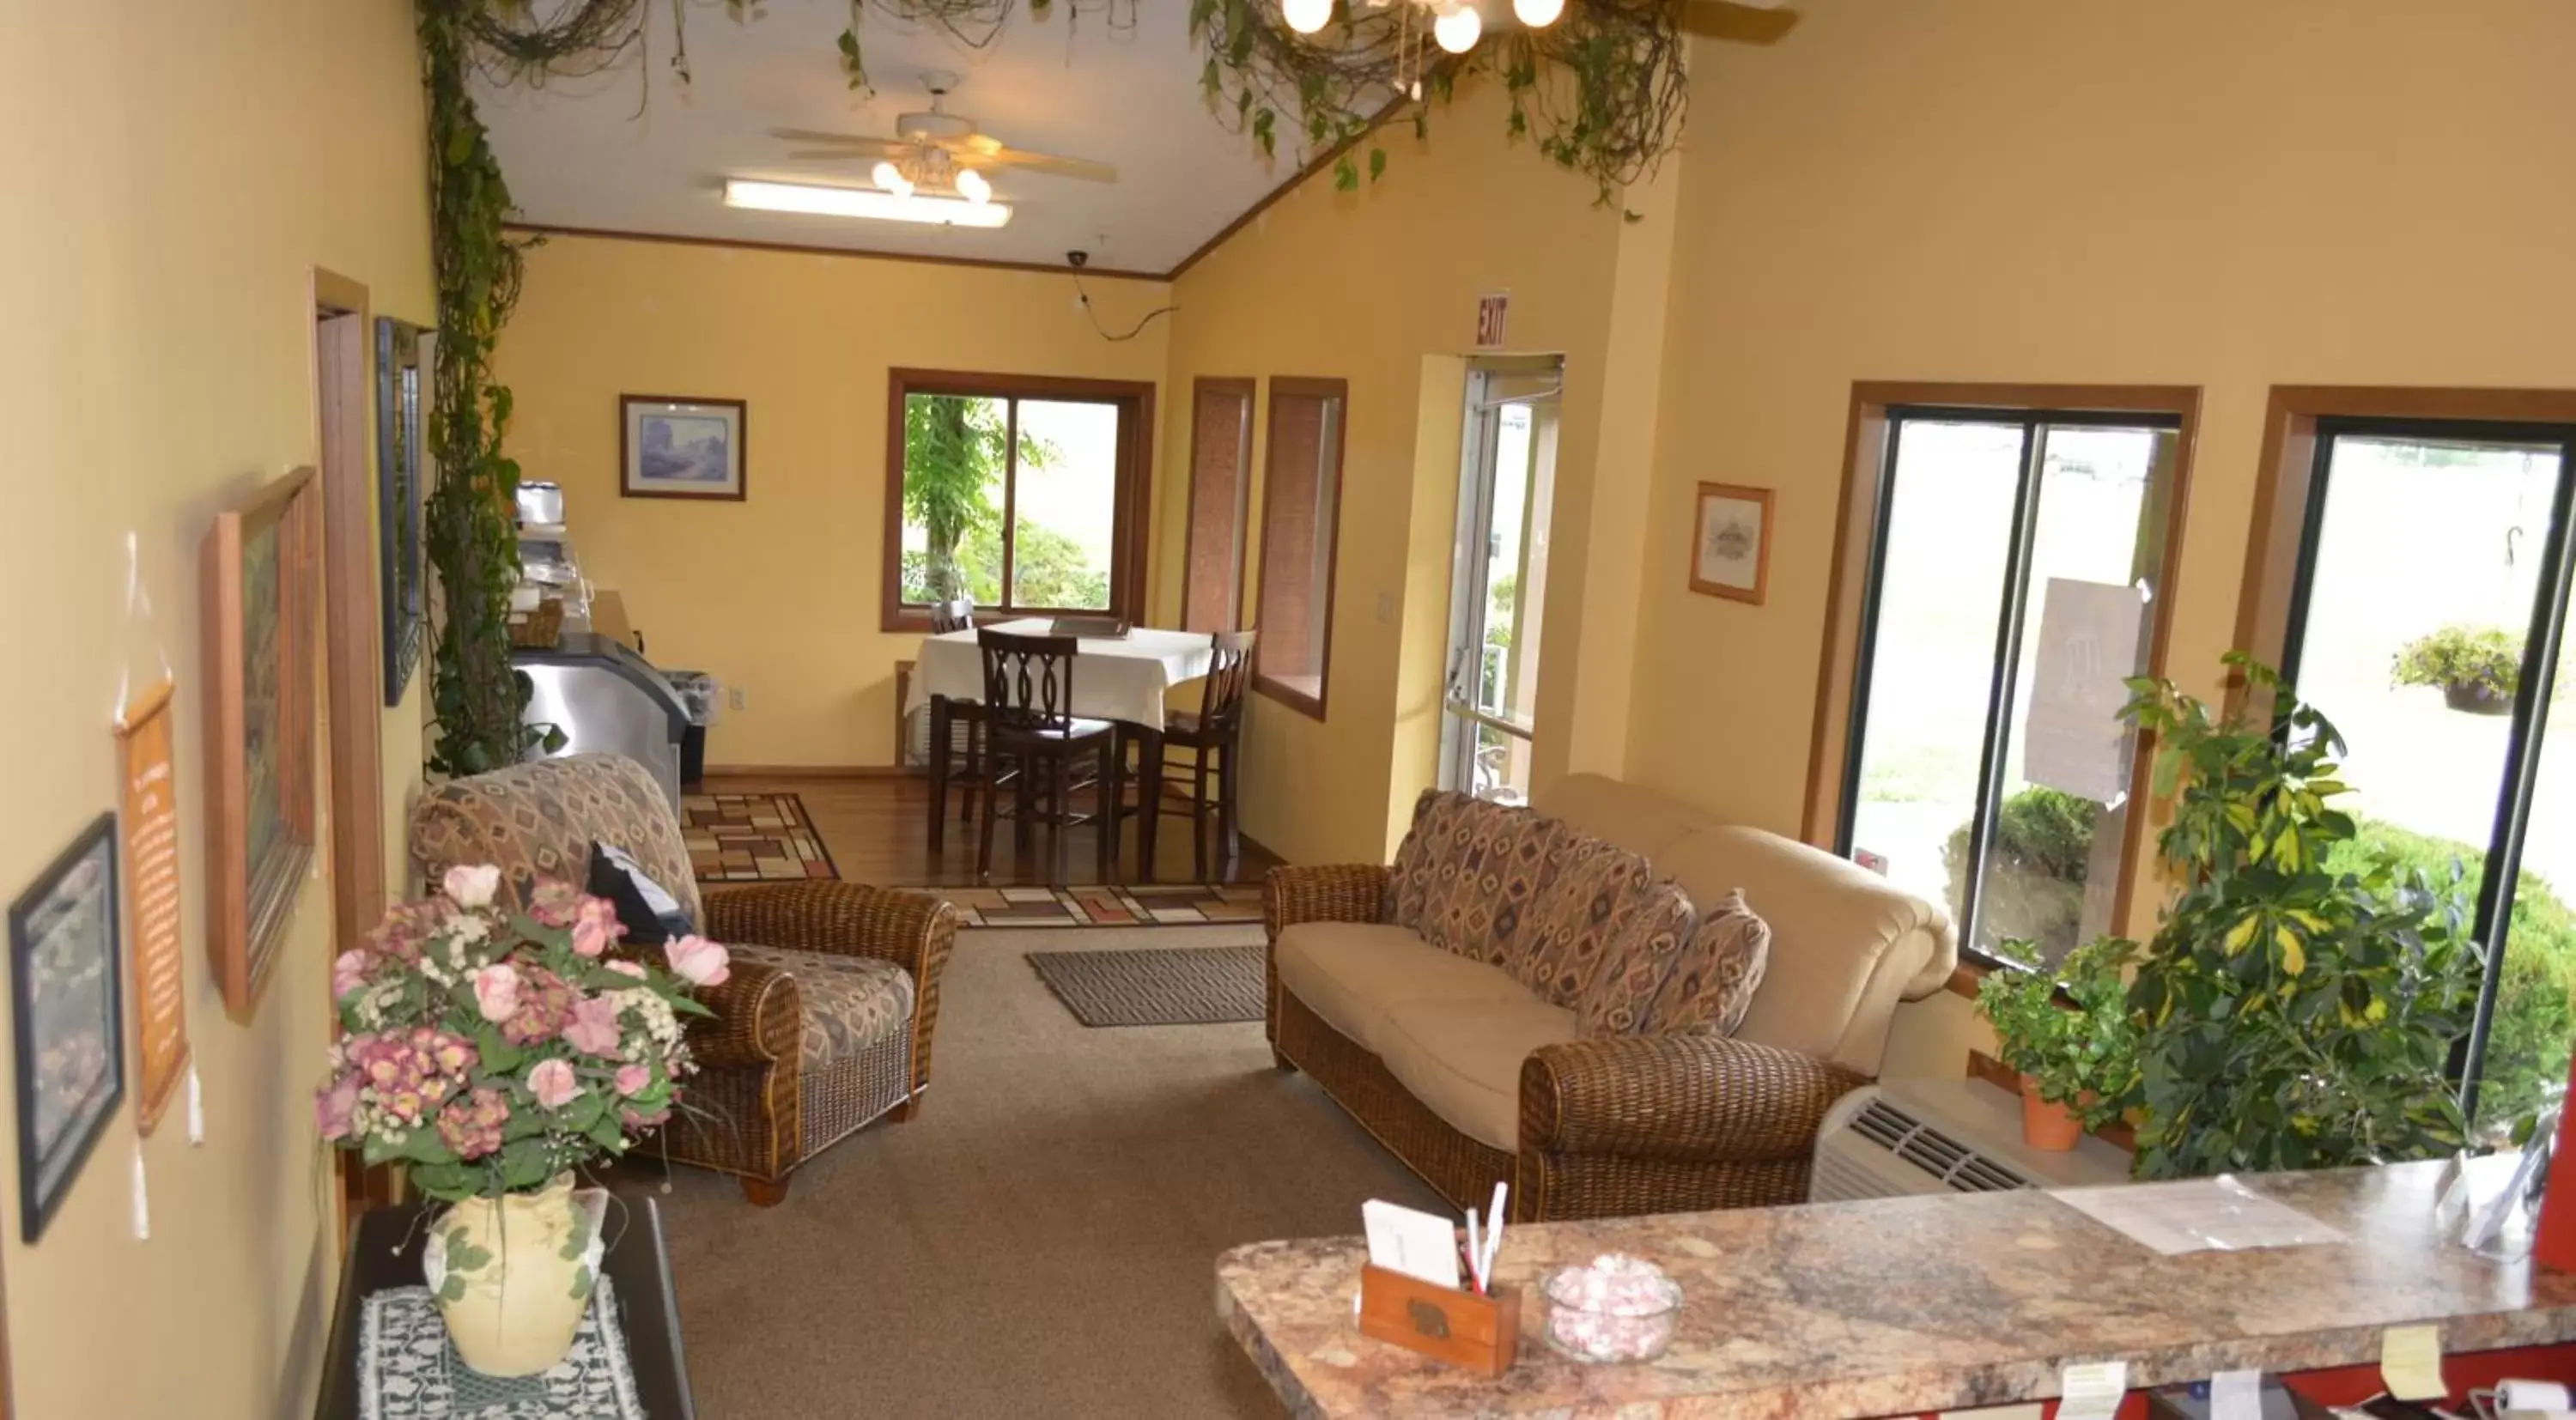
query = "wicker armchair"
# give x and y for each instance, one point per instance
(825, 1023)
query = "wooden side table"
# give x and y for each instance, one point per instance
(637, 1263)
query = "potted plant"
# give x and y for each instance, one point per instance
(2289, 1015)
(493, 1054)
(2067, 1033)
(2477, 669)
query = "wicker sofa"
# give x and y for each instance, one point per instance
(825, 1021)
(1471, 1075)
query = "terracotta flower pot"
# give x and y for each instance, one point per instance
(512, 1275)
(2045, 1126)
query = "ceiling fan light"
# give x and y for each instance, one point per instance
(863, 202)
(1306, 16)
(1538, 14)
(972, 187)
(886, 175)
(1457, 30)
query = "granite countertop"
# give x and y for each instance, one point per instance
(1907, 1305)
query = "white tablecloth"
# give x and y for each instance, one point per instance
(1112, 680)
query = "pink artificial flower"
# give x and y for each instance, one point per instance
(496, 991)
(348, 973)
(554, 902)
(471, 887)
(590, 936)
(552, 1083)
(626, 968)
(699, 961)
(593, 1028)
(471, 1124)
(545, 1007)
(335, 1109)
(631, 1079)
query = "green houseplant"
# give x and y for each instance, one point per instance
(2477, 669)
(2289, 1015)
(2035, 868)
(2076, 1053)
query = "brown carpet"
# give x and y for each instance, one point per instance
(1041, 1242)
(1157, 986)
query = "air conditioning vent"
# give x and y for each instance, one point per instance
(1939, 1136)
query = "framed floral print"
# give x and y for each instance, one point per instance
(1731, 542)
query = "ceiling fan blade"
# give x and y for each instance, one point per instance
(850, 140)
(828, 155)
(1743, 21)
(1082, 168)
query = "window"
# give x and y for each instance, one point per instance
(1220, 502)
(1020, 491)
(1507, 485)
(2412, 582)
(2004, 572)
(1300, 501)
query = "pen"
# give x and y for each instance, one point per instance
(1494, 1230)
(1475, 1254)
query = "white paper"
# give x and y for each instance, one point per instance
(2092, 1392)
(2531, 1396)
(142, 1198)
(1418, 1244)
(2410, 1362)
(2197, 1215)
(2028, 1411)
(196, 1106)
(2236, 1395)
(2074, 738)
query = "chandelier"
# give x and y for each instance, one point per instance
(1455, 24)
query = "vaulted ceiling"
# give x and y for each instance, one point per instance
(636, 150)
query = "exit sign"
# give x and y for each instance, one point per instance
(1491, 309)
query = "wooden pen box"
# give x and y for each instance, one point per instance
(1480, 1333)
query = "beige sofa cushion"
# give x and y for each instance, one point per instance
(1463, 1059)
(1352, 974)
(1468, 872)
(1713, 980)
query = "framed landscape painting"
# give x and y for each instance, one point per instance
(401, 489)
(681, 448)
(261, 561)
(1731, 542)
(68, 1004)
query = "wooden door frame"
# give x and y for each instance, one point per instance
(352, 626)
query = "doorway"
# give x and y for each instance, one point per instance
(1498, 587)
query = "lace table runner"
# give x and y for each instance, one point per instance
(408, 1370)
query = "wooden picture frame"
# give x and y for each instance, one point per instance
(261, 561)
(67, 1003)
(401, 491)
(1732, 558)
(670, 446)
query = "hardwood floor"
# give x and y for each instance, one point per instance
(877, 829)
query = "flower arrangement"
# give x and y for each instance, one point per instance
(493, 1051)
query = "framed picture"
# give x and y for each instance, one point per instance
(67, 1001)
(1731, 542)
(401, 489)
(261, 657)
(681, 448)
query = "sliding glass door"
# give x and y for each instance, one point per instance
(2427, 622)
(1499, 580)
(2015, 559)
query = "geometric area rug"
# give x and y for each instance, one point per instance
(752, 838)
(1157, 986)
(1103, 905)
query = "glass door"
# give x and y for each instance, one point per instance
(1499, 580)
(2427, 623)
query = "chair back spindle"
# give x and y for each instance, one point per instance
(947, 616)
(1229, 677)
(1028, 681)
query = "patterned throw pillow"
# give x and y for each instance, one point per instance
(1602, 922)
(1713, 981)
(1469, 871)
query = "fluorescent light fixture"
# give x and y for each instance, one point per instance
(863, 202)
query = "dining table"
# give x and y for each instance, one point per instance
(1125, 679)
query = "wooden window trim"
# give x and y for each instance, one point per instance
(1135, 401)
(1339, 391)
(2283, 479)
(1244, 388)
(1856, 520)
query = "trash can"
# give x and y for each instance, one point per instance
(699, 695)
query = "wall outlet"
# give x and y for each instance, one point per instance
(737, 698)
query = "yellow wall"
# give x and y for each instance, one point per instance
(180, 170)
(1363, 286)
(2197, 193)
(779, 594)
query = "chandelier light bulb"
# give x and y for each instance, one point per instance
(972, 187)
(1306, 16)
(1538, 14)
(1457, 30)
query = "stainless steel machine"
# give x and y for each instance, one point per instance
(606, 698)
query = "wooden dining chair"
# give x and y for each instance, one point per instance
(1213, 734)
(965, 749)
(1032, 737)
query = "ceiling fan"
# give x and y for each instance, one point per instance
(939, 151)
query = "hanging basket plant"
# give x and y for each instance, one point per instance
(2477, 669)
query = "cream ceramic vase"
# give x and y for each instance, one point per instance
(512, 1276)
